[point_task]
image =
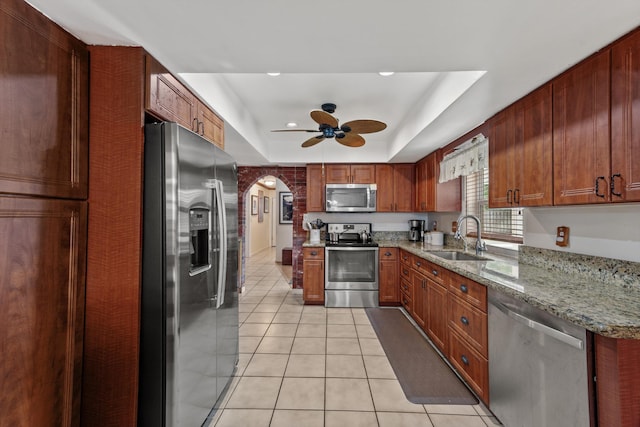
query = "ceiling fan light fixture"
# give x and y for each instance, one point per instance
(292, 125)
(386, 73)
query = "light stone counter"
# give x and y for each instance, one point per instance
(599, 294)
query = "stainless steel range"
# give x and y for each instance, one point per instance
(351, 273)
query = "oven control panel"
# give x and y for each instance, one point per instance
(349, 228)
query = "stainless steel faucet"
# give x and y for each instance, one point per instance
(480, 246)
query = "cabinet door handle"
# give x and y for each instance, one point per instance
(516, 196)
(464, 321)
(598, 186)
(314, 253)
(396, 208)
(201, 123)
(612, 184)
(434, 272)
(194, 125)
(465, 360)
(418, 263)
(509, 196)
(387, 253)
(405, 271)
(464, 288)
(423, 283)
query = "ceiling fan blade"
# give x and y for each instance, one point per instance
(324, 118)
(365, 126)
(351, 140)
(294, 130)
(312, 141)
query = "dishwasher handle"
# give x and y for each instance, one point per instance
(547, 330)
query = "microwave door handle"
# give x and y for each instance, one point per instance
(368, 198)
(222, 242)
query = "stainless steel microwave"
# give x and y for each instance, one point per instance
(350, 197)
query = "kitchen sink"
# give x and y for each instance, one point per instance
(457, 256)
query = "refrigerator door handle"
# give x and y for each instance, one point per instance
(222, 239)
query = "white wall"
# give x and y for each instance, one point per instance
(611, 230)
(284, 232)
(259, 233)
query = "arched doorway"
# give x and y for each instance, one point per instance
(296, 179)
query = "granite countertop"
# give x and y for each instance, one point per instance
(609, 306)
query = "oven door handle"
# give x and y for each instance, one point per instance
(351, 248)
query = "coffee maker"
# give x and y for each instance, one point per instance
(416, 230)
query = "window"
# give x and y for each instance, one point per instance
(497, 224)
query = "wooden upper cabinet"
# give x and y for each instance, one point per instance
(168, 99)
(395, 187)
(625, 120)
(42, 259)
(315, 188)
(432, 196)
(44, 93)
(581, 142)
(520, 153)
(350, 174)
(210, 125)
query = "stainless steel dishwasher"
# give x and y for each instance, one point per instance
(538, 366)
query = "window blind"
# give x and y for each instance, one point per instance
(498, 224)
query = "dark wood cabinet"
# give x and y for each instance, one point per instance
(389, 289)
(168, 99)
(520, 153)
(436, 323)
(44, 94)
(313, 275)
(419, 298)
(432, 196)
(350, 174)
(625, 120)
(581, 138)
(42, 260)
(395, 187)
(315, 188)
(44, 123)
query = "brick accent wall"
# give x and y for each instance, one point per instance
(296, 179)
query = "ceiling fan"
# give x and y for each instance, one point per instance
(347, 134)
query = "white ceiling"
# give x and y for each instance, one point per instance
(456, 62)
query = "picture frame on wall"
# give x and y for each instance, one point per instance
(285, 206)
(254, 205)
(266, 204)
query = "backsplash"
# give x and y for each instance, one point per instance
(608, 270)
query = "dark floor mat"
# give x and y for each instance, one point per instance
(425, 378)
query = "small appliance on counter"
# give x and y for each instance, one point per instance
(416, 230)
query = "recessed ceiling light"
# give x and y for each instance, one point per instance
(269, 182)
(292, 125)
(386, 73)
(273, 74)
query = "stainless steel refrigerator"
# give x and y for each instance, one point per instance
(189, 313)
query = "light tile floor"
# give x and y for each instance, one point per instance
(314, 366)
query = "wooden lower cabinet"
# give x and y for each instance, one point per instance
(42, 289)
(313, 275)
(473, 367)
(389, 289)
(419, 306)
(436, 323)
(452, 310)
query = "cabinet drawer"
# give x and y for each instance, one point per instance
(405, 272)
(406, 258)
(469, 322)
(406, 302)
(313, 253)
(406, 287)
(471, 365)
(429, 269)
(388, 254)
(472, 292)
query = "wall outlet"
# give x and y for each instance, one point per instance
(562, 236)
